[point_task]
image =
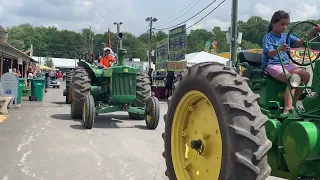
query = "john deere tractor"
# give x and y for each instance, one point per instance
(222, 125)
(96, 90)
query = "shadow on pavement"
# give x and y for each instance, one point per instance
(100, 123)
(77, 126)
(63, 117)
(143, 127)
(111, 121)
(59, 102)
(106, 122)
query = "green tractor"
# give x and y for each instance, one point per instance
(223, 125)
(96, 90)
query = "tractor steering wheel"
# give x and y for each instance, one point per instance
(308, 53)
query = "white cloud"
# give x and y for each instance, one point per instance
(264, 11)
(101, 14)
(309, 10)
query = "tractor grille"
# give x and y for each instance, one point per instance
(123, 84)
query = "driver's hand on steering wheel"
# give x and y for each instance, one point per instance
(317, 28)
(283, 47)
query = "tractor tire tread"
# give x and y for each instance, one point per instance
(81, 82)
(68, 78)
(155, 113)
(143, 89)
(247, 139)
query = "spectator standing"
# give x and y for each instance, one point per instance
(169, 83)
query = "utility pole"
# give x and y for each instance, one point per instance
(151, 20)
(234, 29)
(118, 31)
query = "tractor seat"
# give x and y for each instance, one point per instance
(255, 73)
(252, 58)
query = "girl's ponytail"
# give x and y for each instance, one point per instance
(270, 27)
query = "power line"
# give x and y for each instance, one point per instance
(197, 1)
(207, 14)
(190, 17)
(146, 29)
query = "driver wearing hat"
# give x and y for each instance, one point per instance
(108, 57)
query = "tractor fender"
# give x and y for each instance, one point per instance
(94, 73)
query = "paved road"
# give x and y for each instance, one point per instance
(40, 141)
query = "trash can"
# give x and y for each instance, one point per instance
(20, 88)
(26, 91)
(37, 89)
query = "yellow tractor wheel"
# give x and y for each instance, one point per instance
(214, 128)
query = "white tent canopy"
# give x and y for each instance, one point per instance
(199, 57)
(58, 62)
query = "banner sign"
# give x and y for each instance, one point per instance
(159, 83)
(211, 46)
(162, 50)
(161, 65)
(177, 43)
(176, 66)
(207, 46)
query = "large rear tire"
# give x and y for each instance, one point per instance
(143, 89)
(214, 128)
(80, 86)
(68, 78)
(143, 93)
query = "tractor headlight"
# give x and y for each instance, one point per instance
(294, 80)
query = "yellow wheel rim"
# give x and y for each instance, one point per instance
(195, 122)
(84, 112)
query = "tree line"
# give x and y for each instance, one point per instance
(51, 42)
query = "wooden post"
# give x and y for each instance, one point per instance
(1, 61)
(11, 63)
(18, 68)
(26, 66)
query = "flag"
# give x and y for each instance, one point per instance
(109, 41)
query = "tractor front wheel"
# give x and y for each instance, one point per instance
(152, 113)
(88, 112)
(214, 128)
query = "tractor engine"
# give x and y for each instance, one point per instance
(116, 85)
(105, 90)
(300, 144)
(101, 92)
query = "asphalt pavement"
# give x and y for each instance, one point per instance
(41, 141)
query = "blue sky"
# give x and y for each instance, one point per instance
(101, 14)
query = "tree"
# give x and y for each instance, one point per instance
(48, 62)
(248, 45)
(197, 39)
(220, 36)
(51, 42)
